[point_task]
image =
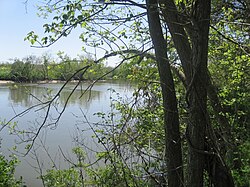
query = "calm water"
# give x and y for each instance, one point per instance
(71, 127)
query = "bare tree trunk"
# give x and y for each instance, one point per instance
(197, 93)
(194, 64)
(171, 116)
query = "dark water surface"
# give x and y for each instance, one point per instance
(72, 125)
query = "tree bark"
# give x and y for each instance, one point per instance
(194, 64)
(171, 118)
(197, 93)
(179, 35)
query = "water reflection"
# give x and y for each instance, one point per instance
(78, 99)
(21, 95)
(28, 95)
(16, 98)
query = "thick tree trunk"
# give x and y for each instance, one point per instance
(195, 59)
(194, 62)
(218, 172)
(171, 118)
(197, 93)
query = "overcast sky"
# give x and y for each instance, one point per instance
(16, 22)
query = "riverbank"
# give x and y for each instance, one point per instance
(6, 82)
(2, 82)
(37, 82)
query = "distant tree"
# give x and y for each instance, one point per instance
(5, 70)
(46, 60)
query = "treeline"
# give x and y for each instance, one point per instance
(32, 69)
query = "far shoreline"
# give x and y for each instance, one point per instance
(6, 82)
(49, 81)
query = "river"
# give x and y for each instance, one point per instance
(71, 128)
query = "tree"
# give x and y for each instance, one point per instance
(171, 118)
(130, 35)
(26, 70)
(46, 60)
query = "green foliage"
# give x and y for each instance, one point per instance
(113, 173)
(32, 69)
(116, 174)
(241, 171)
(7, 169)
(139, 70)
(25, 70)
(66, 177)
(62, 178)
(134, 142)
(229, 67)
(5, 71)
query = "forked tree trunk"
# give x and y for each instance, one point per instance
(171, 116)
(194, 64)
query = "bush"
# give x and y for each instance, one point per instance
(7, 169)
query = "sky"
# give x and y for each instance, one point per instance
(16, 21)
